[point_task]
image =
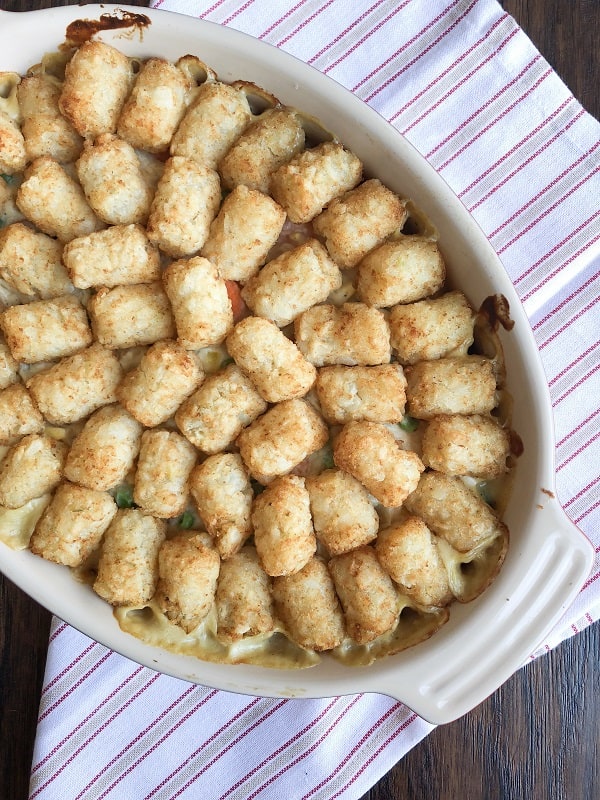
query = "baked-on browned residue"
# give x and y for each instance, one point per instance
(497, 310)
(82, 30)
(516, 444)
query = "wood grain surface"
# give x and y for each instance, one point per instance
(537, 736)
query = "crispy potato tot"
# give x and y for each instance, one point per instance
(19, 415)
(200, 302)
(31, 262)
(166, 375)
(272, 362)
(359, 220)
(71, 527)
(128, 565)
(103, 453)
(351, 334)
(77, 385)
(245, 229)
(343, 515)
(266, 144)
(283, 530)
(308, 605)
(223, 495)
(370, 602)
(400, 271)
(313, 178)
(409, 554)
(95, 64)
(219, 410)
(32, 467)
(369, 452)
(279, 440)
(243, 598)
(188, 570)
(161, 486)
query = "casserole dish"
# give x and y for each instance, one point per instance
(548, 559)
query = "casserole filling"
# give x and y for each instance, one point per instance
(240, 396)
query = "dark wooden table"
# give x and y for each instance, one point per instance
(534, 738)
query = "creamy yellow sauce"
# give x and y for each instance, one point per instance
(17, 524)
(274, 650)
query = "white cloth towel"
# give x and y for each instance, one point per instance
(466, 86)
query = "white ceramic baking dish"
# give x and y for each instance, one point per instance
(548, 559)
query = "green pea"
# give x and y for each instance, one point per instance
(327, 457)
(124, 496)
(186, 520)
(409, 424)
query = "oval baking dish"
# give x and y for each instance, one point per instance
(548, 560)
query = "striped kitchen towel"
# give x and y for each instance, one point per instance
(464, 84)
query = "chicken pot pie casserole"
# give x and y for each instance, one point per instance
(239, 395)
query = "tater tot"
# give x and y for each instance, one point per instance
(243, 599)
(19, 415)
(164, 465)
(77, 385)
(313, 178)
(453, 511)
(400, 271)
(283, 529)
(272, 361)
(217, 116)
(221, 490)
(55, 202)
(46, 131)
(155, 106)
(359, 220)
(114, 181)
(128, 565)
(307, 604)
(247, 226)
(292, 283)
(45, 330)
(128, 316)
(466, 445)
(200, 302)
(377, 393)
(463, 385)
(371, 604)
(264, 146)
(8, 366)
(369, 452)
(103, 452)
(32, 467)
(166, 375)
(430, 329)
(351, 334)
(119, 255)
(95, 64)
(279, 440)
(13, 156)
(187, 199)
(213, 416)
(188, 570)
(71, 527)
(408, 552)
(31, 263)
(343, 515)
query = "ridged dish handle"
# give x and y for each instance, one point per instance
(487, 650)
